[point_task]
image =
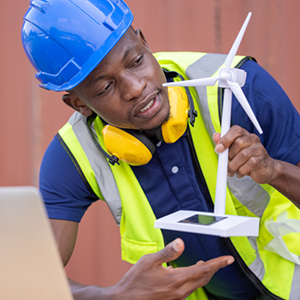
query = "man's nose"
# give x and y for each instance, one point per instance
(133, 87)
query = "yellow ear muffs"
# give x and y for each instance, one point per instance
(134, 147)
(176, 125)
(128, 145)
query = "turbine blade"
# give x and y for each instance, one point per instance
(209, 81)
(237, 91)
(236, 43)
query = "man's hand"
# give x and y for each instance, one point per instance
(148, 279)
(247, 156)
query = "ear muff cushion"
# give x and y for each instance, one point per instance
(175, 127)
(128, 145)
(142, 138)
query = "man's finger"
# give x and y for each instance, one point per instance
(216, 137)
(217, 263)
(201, 273)
(226, 141)
(172, 251)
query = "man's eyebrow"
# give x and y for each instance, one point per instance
(90, 83)
(103, 76)
(126, 53)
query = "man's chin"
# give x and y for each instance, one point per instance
(156, 131)
(152, 132)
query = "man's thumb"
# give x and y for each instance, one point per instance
(172, 251)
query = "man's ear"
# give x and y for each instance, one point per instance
(77, 104)
(142, 38)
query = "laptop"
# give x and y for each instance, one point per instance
(30, 264)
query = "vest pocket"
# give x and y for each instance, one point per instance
(133, 250)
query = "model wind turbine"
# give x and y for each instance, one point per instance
(218, 223)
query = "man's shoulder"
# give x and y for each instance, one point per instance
(180, 61)
(181, 56)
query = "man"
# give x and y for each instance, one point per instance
(88, 49)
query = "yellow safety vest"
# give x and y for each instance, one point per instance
(271, 259)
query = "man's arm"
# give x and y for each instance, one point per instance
(247, 156)
(65, 233)
(287, 180)
(147, 279)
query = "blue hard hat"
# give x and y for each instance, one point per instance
(66, 39)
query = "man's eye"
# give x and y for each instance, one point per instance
(105, 89)
(137, 62)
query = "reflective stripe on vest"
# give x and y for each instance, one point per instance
(92, 163)
(137, 240)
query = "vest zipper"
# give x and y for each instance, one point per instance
(196, 162)
(250, 275)
(257, 283)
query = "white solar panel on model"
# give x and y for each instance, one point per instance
(30, 265)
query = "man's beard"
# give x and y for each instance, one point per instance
(157, 130)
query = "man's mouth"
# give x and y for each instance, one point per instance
(149, 105)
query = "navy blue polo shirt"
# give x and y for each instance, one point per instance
(171, 182)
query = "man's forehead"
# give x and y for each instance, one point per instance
(129, 43)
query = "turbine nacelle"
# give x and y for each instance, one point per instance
(232, 75)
